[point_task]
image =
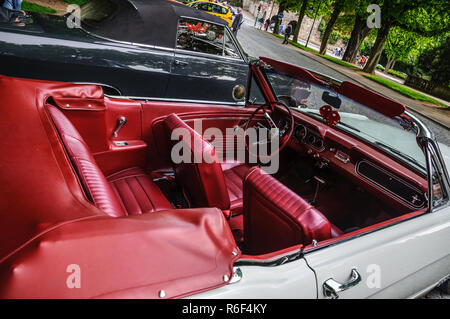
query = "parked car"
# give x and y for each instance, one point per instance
(154, 49)
(94, 204)
(216, 9)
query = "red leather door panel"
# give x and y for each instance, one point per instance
(96, 123)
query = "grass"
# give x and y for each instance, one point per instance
(343, 63)
(298, 45)
(32, 7)
(403, 90)
(397, 74)
(77, 2)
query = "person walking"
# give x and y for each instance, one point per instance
(287, 34)
(237, 22)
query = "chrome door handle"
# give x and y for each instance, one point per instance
(331, 287)
(121, 121)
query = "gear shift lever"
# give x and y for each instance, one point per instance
(121, 121)
(316, 194)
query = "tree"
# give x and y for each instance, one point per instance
(301, 15)
(436, 63)
(359, 32)
(422, 17)
(398, 46)
(337, 9)
(283, 5)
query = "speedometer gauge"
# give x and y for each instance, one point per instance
(300, 132)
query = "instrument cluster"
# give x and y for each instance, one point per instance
(305, 135)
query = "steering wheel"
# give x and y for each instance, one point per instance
(284, 137)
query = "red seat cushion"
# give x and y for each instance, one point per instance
(276, 218)
(125, 193)
(234, 173)
(137, 192)
(210, 183)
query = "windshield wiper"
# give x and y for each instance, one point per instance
(394, 150)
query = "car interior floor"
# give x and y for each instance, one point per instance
(344, 204)
(341, 201)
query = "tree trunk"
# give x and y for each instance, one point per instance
(359, 32)
(276, 29)
(377, 49)
(389, 65)
(326, 36)
(301, 15)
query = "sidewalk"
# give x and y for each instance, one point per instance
(431, 111)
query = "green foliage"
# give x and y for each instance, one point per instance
(32, 7)
(345, 39)
(436, 63)
(380, 67)
(366, 47)
(334, 37)
(403, 90)
(77, 2)
(397, 74)
(399, 44)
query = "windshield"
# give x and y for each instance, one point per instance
(379, 130)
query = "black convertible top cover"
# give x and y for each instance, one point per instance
(152, 22)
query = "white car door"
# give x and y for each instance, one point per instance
(292, 280)
(401, 261)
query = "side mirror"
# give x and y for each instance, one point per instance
(238, 92)
(332, 100)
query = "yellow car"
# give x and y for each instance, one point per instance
(214, 8)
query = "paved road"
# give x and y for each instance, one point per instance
(259, 43)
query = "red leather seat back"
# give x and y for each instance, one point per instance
(203, 176)
(92, 178)
(276, 218)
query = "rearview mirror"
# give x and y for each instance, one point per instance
(238, 92)
(332, 100)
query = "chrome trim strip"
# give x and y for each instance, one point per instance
(390, 174)
(146, 98)
(100, 84)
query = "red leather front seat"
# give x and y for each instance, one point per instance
(128, 192)
(210, 183)
(276, 218)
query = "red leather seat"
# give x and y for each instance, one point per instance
(128, 192)
(210, 183)
(276, 218)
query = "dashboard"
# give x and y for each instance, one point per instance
(378, 173)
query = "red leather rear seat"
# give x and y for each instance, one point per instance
(276, 218)
(128, 192)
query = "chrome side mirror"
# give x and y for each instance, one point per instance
(238, 92)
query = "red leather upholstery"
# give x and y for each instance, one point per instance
(276, 218)
(210, 183)
(128, 192)
(234, 173)
(137, 193)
